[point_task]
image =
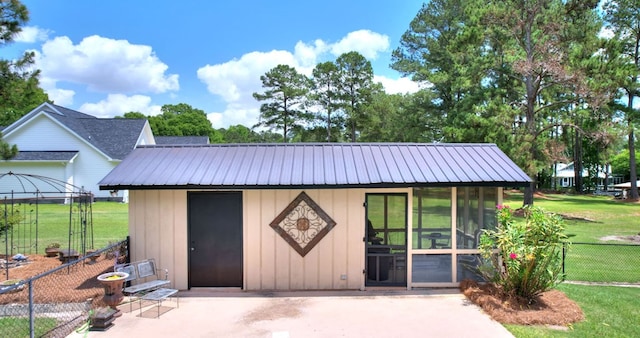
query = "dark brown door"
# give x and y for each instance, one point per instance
(215, 239)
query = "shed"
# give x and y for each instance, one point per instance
(313, 216)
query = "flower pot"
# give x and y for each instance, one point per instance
(112, 283)
(51, 252)
(92, 256)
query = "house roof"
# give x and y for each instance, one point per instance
(568, 171)
(114, 137)
(182, 140)
(312, 165)
(46, 156)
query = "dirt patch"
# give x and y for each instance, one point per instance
(77, 283)
(635, 239)
(542, 195)
(552, 308)
(568, 217)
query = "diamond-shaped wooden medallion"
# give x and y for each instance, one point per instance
(303, 224)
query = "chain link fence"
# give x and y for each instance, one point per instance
(56, 302)
(602, 263)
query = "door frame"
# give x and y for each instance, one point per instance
(405, 245)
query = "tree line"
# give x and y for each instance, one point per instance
(548, 81)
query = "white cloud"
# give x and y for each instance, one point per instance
(31, 34)
(402, 85)
(63, 97)
(365, 42)
(118, 104)
(235, 81)
(233, 115)
(307, 55)
(105, 65)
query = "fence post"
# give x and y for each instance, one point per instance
(32, 319)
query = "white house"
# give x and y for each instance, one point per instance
(565, 176)
(72, 147)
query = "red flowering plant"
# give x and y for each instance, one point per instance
(523, 257)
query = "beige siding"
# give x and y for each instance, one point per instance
(158, 229)
(270, 263)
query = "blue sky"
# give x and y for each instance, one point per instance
(106, 58)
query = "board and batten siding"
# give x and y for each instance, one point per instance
(158, 229)
(271, 263)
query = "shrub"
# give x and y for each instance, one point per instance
(53, 245)
(11, 217)
(528, 260)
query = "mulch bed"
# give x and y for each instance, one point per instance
(76, 284)
(550, 308)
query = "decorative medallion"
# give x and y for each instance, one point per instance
(302, 224)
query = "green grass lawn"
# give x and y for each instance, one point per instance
(56, 221)
(19, 327)
(610, 311)
(589, 218)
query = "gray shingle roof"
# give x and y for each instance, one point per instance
(181, 140)
(325, 165)
(115, 137)
(45, 156)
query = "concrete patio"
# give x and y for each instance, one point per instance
(378, 313)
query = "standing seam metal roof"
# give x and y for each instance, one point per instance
(314, 165)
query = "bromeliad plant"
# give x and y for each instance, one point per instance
(524, 257)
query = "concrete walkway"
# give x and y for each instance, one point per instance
(390, 313)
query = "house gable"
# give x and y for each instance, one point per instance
(113, 138)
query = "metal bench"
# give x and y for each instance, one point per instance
(144, 278)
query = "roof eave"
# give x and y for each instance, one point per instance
(311, 186)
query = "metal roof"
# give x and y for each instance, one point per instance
(314, 165)
(182, 140)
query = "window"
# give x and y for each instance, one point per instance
(431, 218)
(476, 210)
